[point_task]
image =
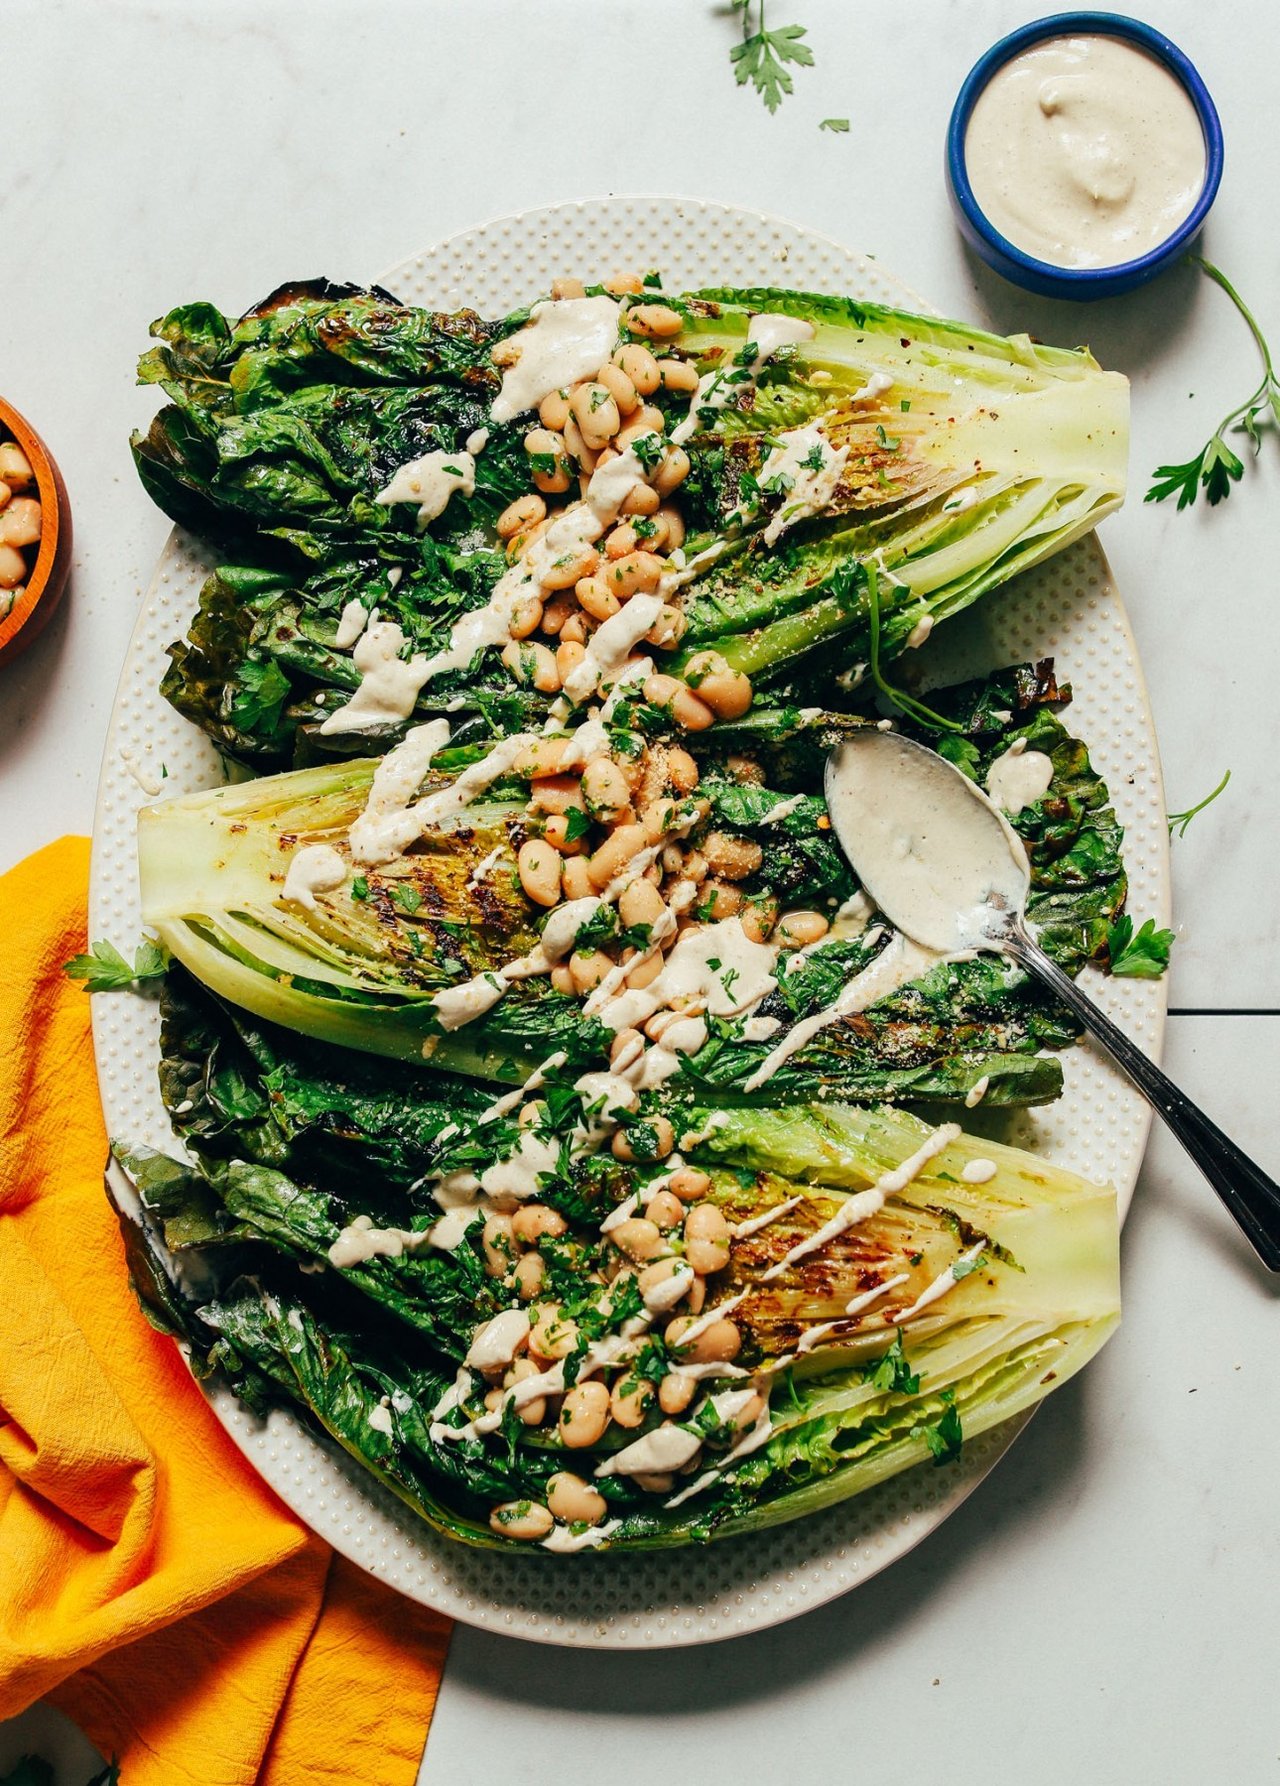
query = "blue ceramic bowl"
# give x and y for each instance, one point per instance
(1039, 275)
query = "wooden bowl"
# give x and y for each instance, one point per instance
(35, 607)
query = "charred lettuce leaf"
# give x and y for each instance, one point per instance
(979, 458)
(423, 924)
(365, 1356)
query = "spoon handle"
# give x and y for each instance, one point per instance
(1252, 1197)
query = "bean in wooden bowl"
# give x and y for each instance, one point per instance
(35, 534)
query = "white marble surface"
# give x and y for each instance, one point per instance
(1098, 1612)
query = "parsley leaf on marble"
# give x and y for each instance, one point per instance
(1178, 821)
(1216, 466)
(762, 55)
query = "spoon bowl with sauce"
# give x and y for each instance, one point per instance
(944, 865)
(1083, 155)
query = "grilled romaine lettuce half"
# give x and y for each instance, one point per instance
(980, 457)
(363, 967)
(368, 1353)
(972, 457)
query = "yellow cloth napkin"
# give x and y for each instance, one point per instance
(150, 1584)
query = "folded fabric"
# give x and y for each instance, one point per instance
(151, 1585)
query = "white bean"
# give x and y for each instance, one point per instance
(575, 1501)
(528, 1520)
(539, 869)
(584, 1414)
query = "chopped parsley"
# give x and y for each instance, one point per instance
(648, 449)
(892, 1372)
(945, 1437)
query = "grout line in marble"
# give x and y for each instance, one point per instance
(1224, 1011)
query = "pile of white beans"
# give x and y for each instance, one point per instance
(587, 824)
(582, 427)
(681, 1232)
(20, 524)
(590, 824)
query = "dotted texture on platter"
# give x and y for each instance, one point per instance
(1069, 608)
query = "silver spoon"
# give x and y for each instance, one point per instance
(944, 865)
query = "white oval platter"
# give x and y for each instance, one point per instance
(1068, 608)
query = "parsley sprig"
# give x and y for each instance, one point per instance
(104, 968)
(1178, 821)
(1216, 466)
(1141, 954)
(762, 55)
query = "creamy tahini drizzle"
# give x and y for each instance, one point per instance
(430, 482)
(600, 1355)
(485, 867)
(864, 1301)
(666, 1448)
(946, 1280)
(498, 1340)
(862, 1205)
(979, 1171)
(567, 340)
(1019, 777)
(783, 810)
(814, 1337)
(899, 962)
(579, 525)
(807, 468)
(149, 783)
(351, 624)
(376, 834)
(742, 976)
(563, 1540)
(919, 632)
(387, 826)
(753, 1224)
(360, 1240)
(876, 386)
(752, 1440)
(766, 333)
(611, 644)
(389, 684)
(316, 868)
(1085, 151)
